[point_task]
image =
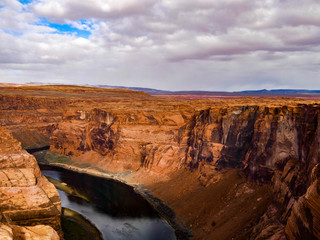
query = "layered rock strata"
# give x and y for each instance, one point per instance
(123, 140)
(30, 205)
(276, 145)
(32, 113)
(184, 149)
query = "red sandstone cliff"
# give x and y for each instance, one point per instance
(125, 140)
(30, 205)
(184, 150)
(276, 145)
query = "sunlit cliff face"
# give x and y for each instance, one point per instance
(30, 205)
(188, 151)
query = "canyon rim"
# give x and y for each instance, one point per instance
(229, 168)
(160, 120)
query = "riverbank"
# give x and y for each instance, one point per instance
(226, 208)
(56, 160)
(75, 226)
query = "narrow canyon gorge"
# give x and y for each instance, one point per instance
(232, 168)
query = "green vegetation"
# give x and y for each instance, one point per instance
(75, 226)
(54, 159)
(51, 157)
(67, 189)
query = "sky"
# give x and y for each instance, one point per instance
(217, 45)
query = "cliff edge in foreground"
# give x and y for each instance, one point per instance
(240, 168)
(30, 206)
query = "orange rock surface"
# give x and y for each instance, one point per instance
(241, 168)
(27, 198)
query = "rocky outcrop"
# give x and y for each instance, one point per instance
(31, 113)
(38, 232)
(275, 145)
(272, 141)
(304, 220)
(31, 120)
(125, 140)
(269, 226)
(28, 201)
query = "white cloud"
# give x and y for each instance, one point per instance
(60, 10)
(14, 18)
(177, 44)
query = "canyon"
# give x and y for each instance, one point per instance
(238, 168)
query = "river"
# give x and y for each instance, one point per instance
(116, 210)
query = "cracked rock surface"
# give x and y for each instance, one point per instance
(30, 206)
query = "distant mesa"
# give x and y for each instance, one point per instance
(153, 91)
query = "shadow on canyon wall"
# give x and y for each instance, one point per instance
(192, 154)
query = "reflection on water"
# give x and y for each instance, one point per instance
(116, 210)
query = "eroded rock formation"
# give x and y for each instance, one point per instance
(30, 205)
(276, 145)
(129, 139)
(183, 149)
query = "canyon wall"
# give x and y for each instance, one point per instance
(125, 140)
(32, 113)
(31, 120)
(278, 145)
(163, 142)
(30, 206)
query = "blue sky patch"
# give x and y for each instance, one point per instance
(13, 32)
(65, 28)
(25, 1)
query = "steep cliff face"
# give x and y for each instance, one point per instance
(304, 220)
(31, 120)
(32, 113)
(27, 198)
(125, 140)
(276, 145)
(273, 142)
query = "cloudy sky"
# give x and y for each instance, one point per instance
(166, 44)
